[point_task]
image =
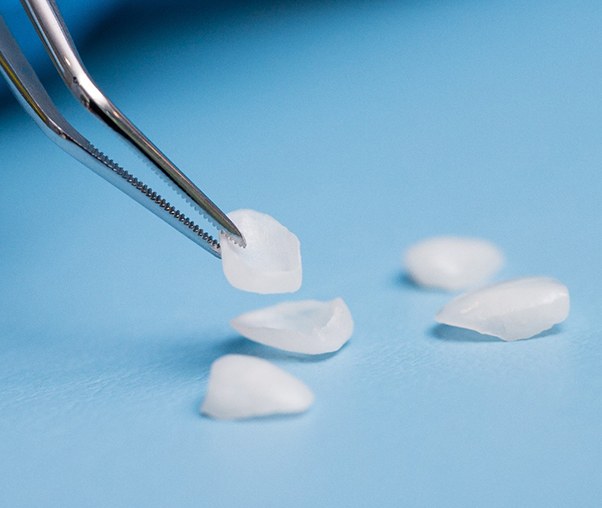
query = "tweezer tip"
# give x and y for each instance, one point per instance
(234, 234)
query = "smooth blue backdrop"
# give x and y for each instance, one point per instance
(363, 126)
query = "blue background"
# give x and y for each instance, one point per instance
(362, 126)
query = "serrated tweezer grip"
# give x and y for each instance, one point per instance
(36, 101)
(51, 28)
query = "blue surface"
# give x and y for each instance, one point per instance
(363, 127)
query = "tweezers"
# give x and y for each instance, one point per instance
(23, 81)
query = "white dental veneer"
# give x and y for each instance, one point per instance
(511, 310)
(243, 386)
(271, 261)
(309, 326)
(452, 263)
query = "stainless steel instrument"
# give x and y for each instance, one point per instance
(45, 16)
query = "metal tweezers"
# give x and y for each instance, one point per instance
(45, 16)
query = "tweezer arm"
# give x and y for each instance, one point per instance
(34, 99)
(51, 27)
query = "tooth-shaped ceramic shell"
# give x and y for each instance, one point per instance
(243, 386)
(452, 263)
(271, 261)
(511, 310)
(308, 326)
